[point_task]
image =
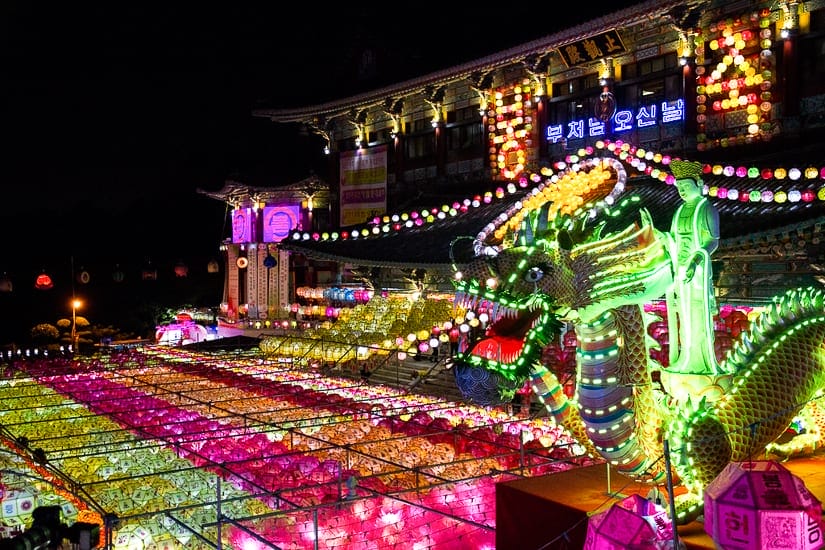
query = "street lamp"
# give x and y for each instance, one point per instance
(75, 304)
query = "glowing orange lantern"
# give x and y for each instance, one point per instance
(181, 269)
(5, 286)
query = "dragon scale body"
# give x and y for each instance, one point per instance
(778, 370)
(615, 393)
(620, 412)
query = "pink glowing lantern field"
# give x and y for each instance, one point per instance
(434, 458)
(761, 505)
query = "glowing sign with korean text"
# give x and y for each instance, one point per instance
(592, 48)
(279, 221)
(363, 181)
(623, 120)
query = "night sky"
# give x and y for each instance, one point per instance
(114, 115)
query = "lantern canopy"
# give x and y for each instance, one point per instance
(750, 504)
(633, 522)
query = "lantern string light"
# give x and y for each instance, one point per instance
(794, 185)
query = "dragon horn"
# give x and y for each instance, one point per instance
(647, 219)
(544, 216)
(528, 237)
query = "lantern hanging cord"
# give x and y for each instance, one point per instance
(452, 244)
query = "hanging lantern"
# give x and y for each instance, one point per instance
(242, 262)
(213, 267)
(83, 277)
(181, 269)
(5, 284)
(270, 261)
(149, 274)
(761, 495)
(117, 275)
(43, 282)
(630, 523)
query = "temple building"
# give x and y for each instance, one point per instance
(418, 168)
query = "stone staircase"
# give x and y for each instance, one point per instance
(425, 376)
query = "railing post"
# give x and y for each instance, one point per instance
(219, 513)
(315, 527)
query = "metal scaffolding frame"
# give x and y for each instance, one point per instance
(61, 435)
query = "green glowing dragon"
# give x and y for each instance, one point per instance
(554, 267)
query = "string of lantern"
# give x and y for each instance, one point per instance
(793, 185)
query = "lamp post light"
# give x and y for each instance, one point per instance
(75, 304)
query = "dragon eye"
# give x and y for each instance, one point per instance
(533, 275)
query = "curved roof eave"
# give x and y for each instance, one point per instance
(233, 191)
(623, 18)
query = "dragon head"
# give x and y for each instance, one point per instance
(556, 270)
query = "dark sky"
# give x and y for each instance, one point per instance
(113, 115)
(119, 102)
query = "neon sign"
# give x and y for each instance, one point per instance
(623, 120)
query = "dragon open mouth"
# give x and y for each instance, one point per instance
(512, 339)
(504, 339)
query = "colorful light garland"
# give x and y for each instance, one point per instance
(737, 90)
(650, 163)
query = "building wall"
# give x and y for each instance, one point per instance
(446, 130)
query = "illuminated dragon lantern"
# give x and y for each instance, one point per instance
(549, 263)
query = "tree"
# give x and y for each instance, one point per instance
(44, 334)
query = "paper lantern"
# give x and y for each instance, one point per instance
(5, 286)
(181, 269)
(754, 505)
(633, 522)
(83, 277)
(242, 262)
(213, 267)
(43, 282)
(17, 504)
(132, 537)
